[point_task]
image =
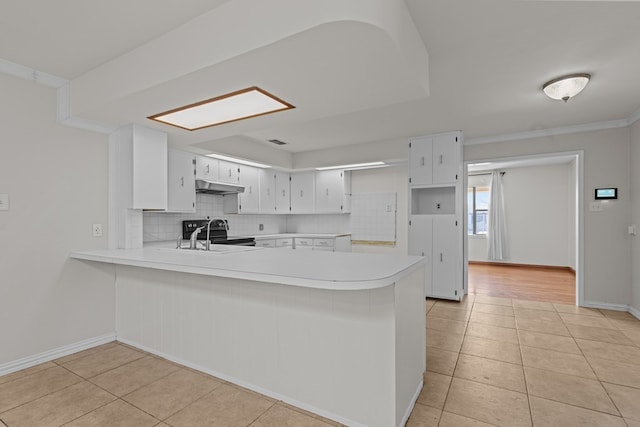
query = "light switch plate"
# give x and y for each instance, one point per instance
(4, 202)
(596, 207)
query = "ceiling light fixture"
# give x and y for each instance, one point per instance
(353, 166)
(566, 87)
(241, 161)
(234, 106)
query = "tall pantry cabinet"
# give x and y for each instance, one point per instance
(436, 211)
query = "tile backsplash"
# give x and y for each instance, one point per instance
(159, 226)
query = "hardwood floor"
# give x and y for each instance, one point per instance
(537, 284)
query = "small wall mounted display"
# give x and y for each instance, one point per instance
(609, 193)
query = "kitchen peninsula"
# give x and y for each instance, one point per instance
(338, 334)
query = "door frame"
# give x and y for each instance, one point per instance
(579, 211)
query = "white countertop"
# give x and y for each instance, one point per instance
(311, 269)
(304, 235)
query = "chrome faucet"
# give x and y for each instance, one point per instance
(208, 244)
(193, 240)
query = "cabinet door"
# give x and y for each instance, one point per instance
(249, 201)
(267, 183)
(207, 168)
(181, 183)
(229, 172)
(302, 192)
(420, 160)
(446, 158)
(283, 200)
(329, 191)
(420, 243)
(446, 256)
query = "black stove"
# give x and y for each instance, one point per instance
(217, 232)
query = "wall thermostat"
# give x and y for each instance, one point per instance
(606, 193)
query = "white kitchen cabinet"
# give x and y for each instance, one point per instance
(140, 174)
(249, 200)
(265, 243)
(435, 159)
(304, 243)
(283, 192)
(228, 172)
(267, 185)
(284, 243)
(332, 191)
(181, 182)
(207, 168)
(302, 192)
(274, 191)
(436, 211)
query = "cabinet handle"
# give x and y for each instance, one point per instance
(422, 160)
(182, 181)
(327, 191)
(440, 158)
(207, 169)
(301, 193)
(440, 256)
(250, 189)
(283, 193)
(229, 171)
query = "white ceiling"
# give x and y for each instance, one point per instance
(356, 71)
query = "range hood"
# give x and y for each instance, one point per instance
(216, 187)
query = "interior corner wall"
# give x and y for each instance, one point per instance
(56, 178)
(607, 246)
(635, 216)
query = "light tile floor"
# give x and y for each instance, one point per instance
(490, 362)
(502, 362)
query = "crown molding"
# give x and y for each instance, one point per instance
(540, 133)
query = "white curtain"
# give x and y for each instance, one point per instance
(496, 228)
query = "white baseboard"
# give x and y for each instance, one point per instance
(606, 306)
(635, 312)
(414, 399)
(29, 361)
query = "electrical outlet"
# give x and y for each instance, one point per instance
(261, 227)
(4, 202)
(97, 230)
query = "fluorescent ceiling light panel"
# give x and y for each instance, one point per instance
(241, 161)
(239, 105)
(352, 166)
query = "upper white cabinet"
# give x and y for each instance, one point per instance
(249, 201)
(333, 191)
(435, 159)
(302, 192)
(181, 182)
(207, 168)
(283, 193)
(140, 154)
(274, 191)
(229, 172)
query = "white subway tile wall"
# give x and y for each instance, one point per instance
(159, 226)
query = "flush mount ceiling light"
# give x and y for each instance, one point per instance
(231, 107)
(353, 166)
(241, 161)
(566, 87)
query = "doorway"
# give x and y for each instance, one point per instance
(528, 239)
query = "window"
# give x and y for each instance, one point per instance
(477, 210)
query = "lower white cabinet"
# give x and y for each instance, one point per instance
(285, 243)
(337, 244)
(437, 237)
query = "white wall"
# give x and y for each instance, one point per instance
(537, 216)
(635, 197)
(607, 247)
(56, 178)
(386, 180)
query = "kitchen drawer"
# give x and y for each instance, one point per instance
(323, 243)
(303, 242)
(266, 243)
(284, 243)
